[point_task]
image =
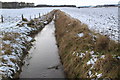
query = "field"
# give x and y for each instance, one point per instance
(15, 33)
(102, 20)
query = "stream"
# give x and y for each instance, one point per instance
(43, 60)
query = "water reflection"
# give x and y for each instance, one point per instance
(43, 60)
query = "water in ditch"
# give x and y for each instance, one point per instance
(43, 58)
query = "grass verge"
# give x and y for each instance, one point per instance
(84, 53)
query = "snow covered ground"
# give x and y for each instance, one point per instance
(102, 20)
(14, 41)
(11, 16)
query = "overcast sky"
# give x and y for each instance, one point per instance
(73, 2)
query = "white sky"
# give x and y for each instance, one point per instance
(70, 2)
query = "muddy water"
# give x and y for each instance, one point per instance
(43, 59)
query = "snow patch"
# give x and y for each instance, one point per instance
(80, 34)
(99, 75)
(92, 60)
(82, 55)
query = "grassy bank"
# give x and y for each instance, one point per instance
(16, 42)
(84, 53)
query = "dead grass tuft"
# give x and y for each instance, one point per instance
(24, 19)
(10, 36)
(7, 48)
(30, 23)
(102, 43)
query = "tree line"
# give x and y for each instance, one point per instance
(15, 4)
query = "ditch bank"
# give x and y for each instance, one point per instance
(84, 53)
(16, 42)
(43, 59)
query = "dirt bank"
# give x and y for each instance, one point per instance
(84, 53)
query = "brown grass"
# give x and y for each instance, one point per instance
(10, 36)
(25, 19)
(7, 48)
(68, 42)
(102, 43)
(109, 67)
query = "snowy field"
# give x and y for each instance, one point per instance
(13, 16)
(102, 20)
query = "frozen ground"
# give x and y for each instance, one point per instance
(11, 16)
(14, 41)
(102, 20)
